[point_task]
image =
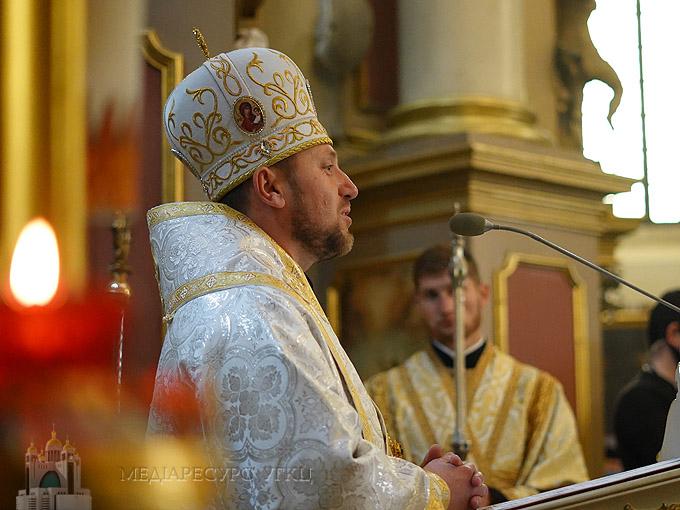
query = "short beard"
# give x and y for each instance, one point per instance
(322, 243)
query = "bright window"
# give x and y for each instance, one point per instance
(613, 28)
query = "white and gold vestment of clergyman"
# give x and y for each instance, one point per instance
(522, 430)
(274, 390)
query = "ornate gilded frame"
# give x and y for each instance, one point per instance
(171, 67)
(580, 313)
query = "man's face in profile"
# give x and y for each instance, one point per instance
(321, 203)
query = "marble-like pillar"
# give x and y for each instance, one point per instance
(462, 70)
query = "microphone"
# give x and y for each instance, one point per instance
(471, 224)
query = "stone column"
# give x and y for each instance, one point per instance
(462, 70)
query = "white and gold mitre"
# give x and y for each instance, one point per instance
(237, 112)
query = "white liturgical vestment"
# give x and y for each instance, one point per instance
(273, 389)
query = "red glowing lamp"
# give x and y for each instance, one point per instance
(41, 326)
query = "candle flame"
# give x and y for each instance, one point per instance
(34, 273)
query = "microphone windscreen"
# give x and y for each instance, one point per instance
(467, 224)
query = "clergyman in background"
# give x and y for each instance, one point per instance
(519, 422)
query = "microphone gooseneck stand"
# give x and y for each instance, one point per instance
(471, 224)
(459, 272)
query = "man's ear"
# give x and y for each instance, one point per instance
(484, 292)
(267, 185)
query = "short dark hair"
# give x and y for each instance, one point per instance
(436, 259)
(662, 316)
(239, 197)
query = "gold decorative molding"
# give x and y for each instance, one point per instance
(68, 146)
(664, 506)
(171, 67)
(448, 115)
(484, 152)
(624, 319)
(490, 175)
(487, 195)
(580, 314)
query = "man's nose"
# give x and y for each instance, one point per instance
(448, 302)
(348, 188)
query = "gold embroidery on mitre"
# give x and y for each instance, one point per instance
(215, 139)
(171, 126)
(222, 68)
(286, 104)
(294, 133)
(254, 157)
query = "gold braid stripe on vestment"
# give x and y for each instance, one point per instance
(413, 398)
(435, 503)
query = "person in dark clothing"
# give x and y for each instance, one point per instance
(642, 406)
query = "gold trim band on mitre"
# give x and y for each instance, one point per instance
(269, 162)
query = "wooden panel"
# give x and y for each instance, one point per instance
(170, 67)
(541, 322)
(541, 319)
